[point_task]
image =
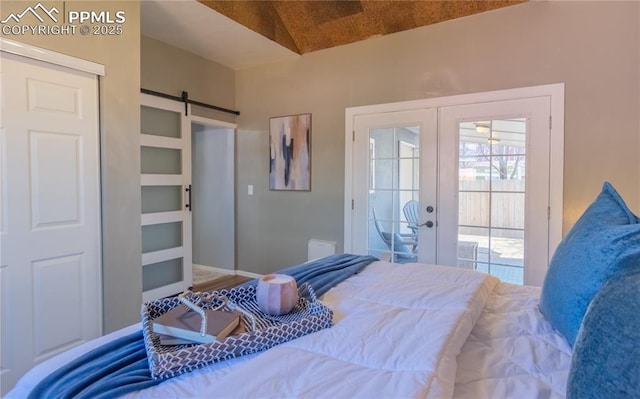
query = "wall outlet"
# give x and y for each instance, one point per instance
(250, 189)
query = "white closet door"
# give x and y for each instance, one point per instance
(50, 212)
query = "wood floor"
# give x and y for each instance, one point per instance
(220, 283)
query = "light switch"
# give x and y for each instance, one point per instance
(250, 189)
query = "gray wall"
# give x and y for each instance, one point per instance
(590, 46)
(170, 70)
(120, 151)
(213, 196)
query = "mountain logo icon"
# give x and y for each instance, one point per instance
(36, 11)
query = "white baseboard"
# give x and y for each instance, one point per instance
(228, 272)
(214, 269)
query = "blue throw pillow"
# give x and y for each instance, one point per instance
(603, 242)
(606, 355)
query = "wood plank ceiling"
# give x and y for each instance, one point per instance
(305, 26)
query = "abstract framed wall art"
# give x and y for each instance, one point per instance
(290, 153)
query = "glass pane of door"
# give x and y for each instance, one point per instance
(161, 199)
(160, 161)
(160, 122)
(161, 274)
(156, 237)
(393, 188)
(491, 197)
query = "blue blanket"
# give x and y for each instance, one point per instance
(109, 371)
(325, 273)
(121, 366)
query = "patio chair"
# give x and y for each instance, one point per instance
(410, 210)
(400, 252)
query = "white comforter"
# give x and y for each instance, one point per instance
(513, 351)
(397, 332)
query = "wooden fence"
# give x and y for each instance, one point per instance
(503, 208)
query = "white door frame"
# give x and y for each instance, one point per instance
(229, 190)
(556, 150)
(42, 54)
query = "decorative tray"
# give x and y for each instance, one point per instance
(308, 316)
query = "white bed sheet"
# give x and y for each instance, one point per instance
(513, 351)
(400, 331)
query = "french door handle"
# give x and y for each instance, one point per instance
(428, 223)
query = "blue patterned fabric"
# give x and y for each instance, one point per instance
(605, 241)
(606, 355)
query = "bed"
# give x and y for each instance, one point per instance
(400, 330)
(424, 331)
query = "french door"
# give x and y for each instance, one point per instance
(495, 191)
(396, 156)
(467, 184)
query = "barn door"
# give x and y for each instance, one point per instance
(165, 152)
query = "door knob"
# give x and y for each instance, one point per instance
(428, 223)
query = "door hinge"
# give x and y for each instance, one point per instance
(351, 204)
(548, 213)
(550, 122)
(353, 135)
